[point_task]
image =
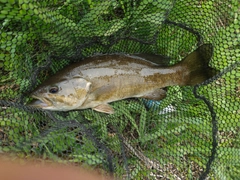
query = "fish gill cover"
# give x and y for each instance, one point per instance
(193, 133)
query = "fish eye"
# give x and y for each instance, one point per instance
(53, 89)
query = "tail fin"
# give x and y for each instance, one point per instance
(197, 65)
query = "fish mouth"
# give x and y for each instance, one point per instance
(40, 102)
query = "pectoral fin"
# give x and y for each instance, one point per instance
(105, 108)
(156, 95)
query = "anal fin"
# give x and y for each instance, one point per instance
(156, 95)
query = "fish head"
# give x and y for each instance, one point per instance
(66, 94)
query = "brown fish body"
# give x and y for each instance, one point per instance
(97, 81)
(115, 77)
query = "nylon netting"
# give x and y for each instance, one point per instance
(193, 133)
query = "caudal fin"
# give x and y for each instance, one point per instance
(196, 64)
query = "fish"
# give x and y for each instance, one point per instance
(96, 81)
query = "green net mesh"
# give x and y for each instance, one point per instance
(193, 133)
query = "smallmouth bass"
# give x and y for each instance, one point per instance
(96, 81)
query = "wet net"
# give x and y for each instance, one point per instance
(193, 133)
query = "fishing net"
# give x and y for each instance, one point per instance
(193, 133)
